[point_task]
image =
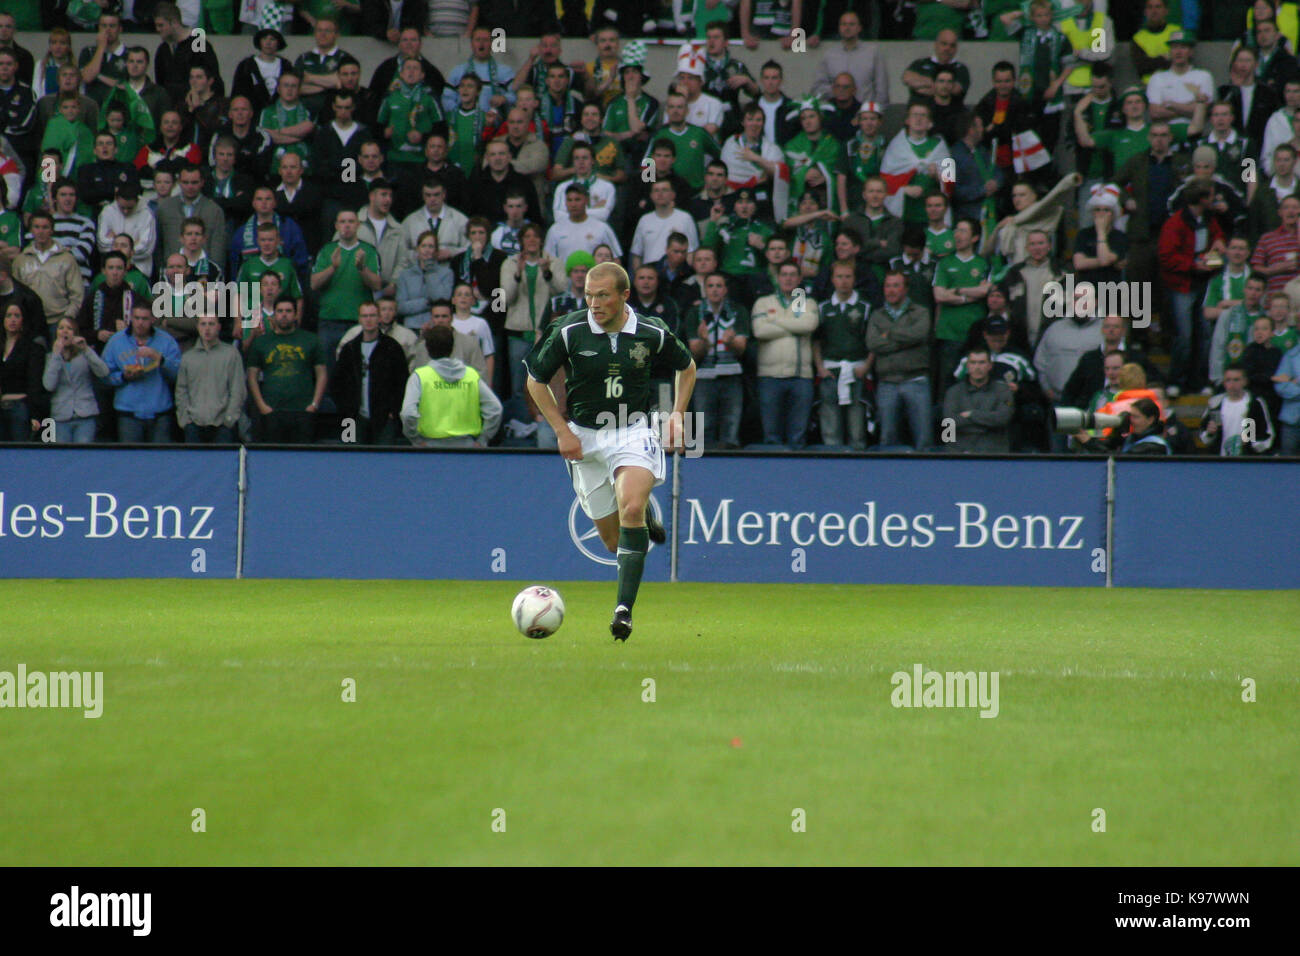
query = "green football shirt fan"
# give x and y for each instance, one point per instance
(342, 298)
(954, 272)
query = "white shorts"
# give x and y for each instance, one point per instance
(604, 451)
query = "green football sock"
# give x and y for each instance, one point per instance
(633, 543)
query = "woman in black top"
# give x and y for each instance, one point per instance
(22, 397)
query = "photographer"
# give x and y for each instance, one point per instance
(1140, 432)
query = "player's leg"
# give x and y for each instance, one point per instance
(608, 528)
(632, 486)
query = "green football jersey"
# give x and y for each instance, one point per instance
(953, 273)
(939, 243)
(694, 149)
(607, 375)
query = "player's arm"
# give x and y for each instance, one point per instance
(542, 364)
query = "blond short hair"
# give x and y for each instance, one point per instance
(619, 274)
(1131, 375)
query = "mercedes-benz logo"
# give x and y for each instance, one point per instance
(581, 537)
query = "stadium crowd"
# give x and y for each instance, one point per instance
(411, 234)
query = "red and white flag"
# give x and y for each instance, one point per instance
(781, 191)
(1028, 152)
(901, 164)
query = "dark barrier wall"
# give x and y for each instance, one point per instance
(349, 514)
(85, 513)
(1230, 524)
(118, 513)
(893, 521)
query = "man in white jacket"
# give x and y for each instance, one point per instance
(783, 323)
(125, 214)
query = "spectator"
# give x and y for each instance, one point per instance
(190, 203)
(977, 178)
(447, 404)
(152, 97)
(69, 136)
(381, 229)
(411, 181)
(245, 244)
(1236, 422)
(600, 190)
(704, 262)
(370, 381)
(22, 396)
(494, 76)
(1100, 249)
(106, 310)
(26, 63)
(633, 113)
(813, 154)
(319, 66)
(171, 144)
(72, 230)
(574, 298)
(466, 348)
(1232, 330)
(842, 361)
(51, 272)
(1262, 215)
(1151, 49)
(1260, 361)
(13, 291)
(286, 378)
(126, 215)
(17, 108)
(811, 242)
(664, 155)
(300, 201)
(465, 322)
(1006, 112)
(864, 62)
(938, 231)
(505, 236)
(256, 77)
(210, 387)
(750, 158)
(1059, 349)
(912, 164)
(423, 282)
(103, 66)
(1276, 66)
(1279, 128)
(693, 145)
(1149, 180)
(479, 265)
(650, 241)
(673, 268)
(202, 109)
(143, 362)
(70, 369)
(409, 340)
(409, 113)
(1249, 105)
(528, 280)
(721, 331)
(491, 183)
(898, 334)
(408, 48)
(1144, 434)
(447, 224)
(253, 145)
(862, 158)
(576, 230)
(270, 258)
(45, 75)
(1227, 205)
(783, 323)
(775, 104)
(1089, 374)
(724, 76)
(1187, 241)
(960, 286)
(178, 53)
(466, 123)
(69, 82)
(99, 179)
(979, 408)
(347, 274)
(289, 121)
(1277, 253)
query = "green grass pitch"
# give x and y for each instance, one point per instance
(227, 696)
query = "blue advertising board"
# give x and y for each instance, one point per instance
(1222, 524)
(68, 512)
(893, 521)
(422, 514)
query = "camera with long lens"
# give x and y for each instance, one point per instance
(1070, 420)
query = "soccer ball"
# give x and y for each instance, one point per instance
(538, 611)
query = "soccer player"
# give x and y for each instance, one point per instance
(608, 353)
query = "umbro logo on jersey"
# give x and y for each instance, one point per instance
(588, 354)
